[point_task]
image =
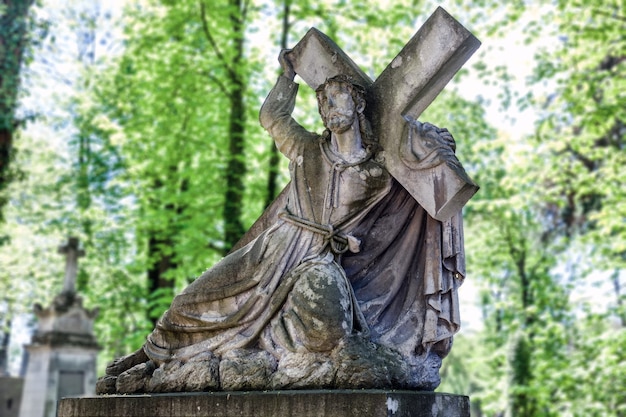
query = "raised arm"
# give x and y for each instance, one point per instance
(275, 114)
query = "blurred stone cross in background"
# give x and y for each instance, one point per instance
(72, 253)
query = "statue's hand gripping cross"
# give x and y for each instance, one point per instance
(402, 92)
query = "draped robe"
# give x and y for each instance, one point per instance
(402, 270)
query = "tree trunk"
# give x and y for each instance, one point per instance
(272, 186)
(161, 255)
(236, 170)
(161, 262)
(522, 404)
(5, 339)
(13, 39)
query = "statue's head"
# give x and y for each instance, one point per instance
(340, 101)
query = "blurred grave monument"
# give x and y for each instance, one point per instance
(62, 353)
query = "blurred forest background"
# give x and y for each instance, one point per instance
(133, 126)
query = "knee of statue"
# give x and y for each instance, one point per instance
(319, 311)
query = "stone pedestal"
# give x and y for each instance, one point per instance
(317, 403)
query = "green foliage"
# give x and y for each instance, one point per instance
(587, 114)
(551, 215)
(152, 147)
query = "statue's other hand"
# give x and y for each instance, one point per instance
(426, 139)
(446, 137)
(285, 63)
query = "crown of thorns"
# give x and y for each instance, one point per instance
(341, 78)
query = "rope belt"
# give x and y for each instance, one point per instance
(339, 242)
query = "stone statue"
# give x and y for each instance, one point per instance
(353, 285)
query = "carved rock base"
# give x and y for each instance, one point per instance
(355, 364)
(320, 403)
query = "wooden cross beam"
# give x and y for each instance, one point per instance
(72, 253)
(403, 90)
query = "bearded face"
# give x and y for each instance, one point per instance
(337, 107)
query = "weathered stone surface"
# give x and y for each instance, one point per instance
(357, 273)
(424, 66)
(124, 363)
(53, 371)
(242, 369)
(303, 370)
(65, 322)
(106, 385)
(72, 252)
(321, 403)
(316, 57)
(10, 396)
(197, 374)
(200, 373)
(405, 88)
(63, 351)
(135, 379)
(361, 364)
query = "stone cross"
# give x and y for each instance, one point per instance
(72, 253)
(403, 90)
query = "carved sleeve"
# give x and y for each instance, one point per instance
(275, 117)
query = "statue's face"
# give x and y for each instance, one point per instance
(337, 107)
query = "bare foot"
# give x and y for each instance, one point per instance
(124, 363)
